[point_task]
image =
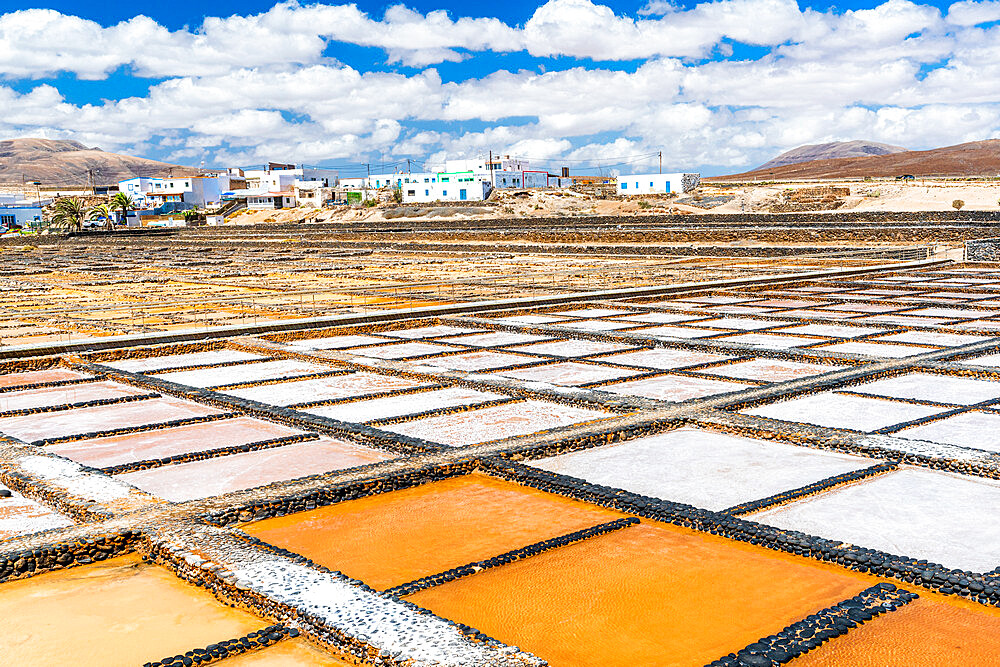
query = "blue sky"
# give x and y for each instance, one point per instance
(715, 86)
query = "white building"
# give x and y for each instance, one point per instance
(649, 184)
(14, 210)
(451, 190)
(280, 177)
(201, 191)
(259, 200)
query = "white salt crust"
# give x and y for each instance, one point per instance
(947, 519)
(702, 468)
(71, 476)
(23, 516)
(844, 411)
(383, 623)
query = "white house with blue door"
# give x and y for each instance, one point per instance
(651, 184)
(448, 187)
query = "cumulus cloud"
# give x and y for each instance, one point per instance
(246, 88)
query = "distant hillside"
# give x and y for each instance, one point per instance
(977, 158)
(68, 162)
(831, 151)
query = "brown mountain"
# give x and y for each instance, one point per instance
(977, 158)
(67, 163)
(831, 151)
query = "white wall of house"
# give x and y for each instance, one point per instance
(475, 190)
(23, 215)
(648, 184)
(267, 201)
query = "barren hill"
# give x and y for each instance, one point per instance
(977, 158)
(55, 162)
(831, 151)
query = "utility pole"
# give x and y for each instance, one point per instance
(368, 169)
(408, 166)
(489, 165)
(661, 161)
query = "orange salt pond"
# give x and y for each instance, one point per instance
(648, 595)
(289, 653)
(390, 539)
(931, 631)
(118, 612)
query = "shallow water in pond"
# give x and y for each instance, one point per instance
(119, 612)
(223, 474)
(33, 377)
(646, 595)
(390, 539)
(66, 394)
(101, 418)
(144, 445)
(929, 632)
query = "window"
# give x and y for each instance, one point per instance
(444, 180)
(651, 184)
(427, 193)
(7, 220)
(444, 193)
(411, 193)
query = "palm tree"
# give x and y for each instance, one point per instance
(102, 211)
(124, 203)
(70, 212)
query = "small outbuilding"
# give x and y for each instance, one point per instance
(651, 184)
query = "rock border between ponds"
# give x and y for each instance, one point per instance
(810, 489)
(811, 632)
(511, 556)
(229, 648)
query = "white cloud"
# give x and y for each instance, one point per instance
(248, 88)
(970, 13)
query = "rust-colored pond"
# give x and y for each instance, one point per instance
(289, 653)
(389, 539)
(931, 631)
(648, 595)
(119, 612)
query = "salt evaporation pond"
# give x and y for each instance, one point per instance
(101, 418)
(66, 395)
(23, 516)
(494, 423)
(646, 595)
(325, 389)
(392, 538)
(120, 612)
(928, 631)
(844, 411)
(404, 404)
(160, 443)
(148, 364)
(702, 468)
(944, 518)
(224, 474)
